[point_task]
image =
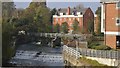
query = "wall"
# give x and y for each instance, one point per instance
(88, 16)
(111, 12)
(69, 20)
(109, 62)
(110, 40)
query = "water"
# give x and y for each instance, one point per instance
(49, 57)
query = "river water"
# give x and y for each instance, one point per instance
(32, 55)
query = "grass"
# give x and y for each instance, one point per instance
(90, 62)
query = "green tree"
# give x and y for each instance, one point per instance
(98, 12)
(7, 31)
(42, 18)
(56, 28)
(90, 26)
(8, 9)
(64, 27)
(75, 26)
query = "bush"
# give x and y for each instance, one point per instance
(92, 45)
(102, 47)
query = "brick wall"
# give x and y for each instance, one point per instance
(110, 41)
(88, 16)
(69, 20)
(111, 14)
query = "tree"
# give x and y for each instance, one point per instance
(7, 31)
(75, 26)
(98, 12)
(56, 28)
(90, 26)
(42, 18)
(64, 27)
(8, 9)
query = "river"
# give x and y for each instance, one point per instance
(33, 55)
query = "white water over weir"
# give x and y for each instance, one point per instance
(29, 58)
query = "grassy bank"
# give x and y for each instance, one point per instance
(90, 62)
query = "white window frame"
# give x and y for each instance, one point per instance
(116, 21)
(117, 5)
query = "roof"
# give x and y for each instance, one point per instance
(78, 9)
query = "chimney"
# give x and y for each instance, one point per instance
(68, 11)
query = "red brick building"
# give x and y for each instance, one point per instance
(110, 22)
(82, 15)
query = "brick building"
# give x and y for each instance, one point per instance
(82, 15)
(110, 22)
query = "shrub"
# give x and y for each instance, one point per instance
(92, 45)
(102, 47)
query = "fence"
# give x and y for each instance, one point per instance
(58, 35)
(92, 53)
(71, 51)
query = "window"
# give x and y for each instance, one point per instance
(118, 5)
(57, 19)
(78, 19)
(69, 19)
(60, 19)
(118, 21)
(64, 19)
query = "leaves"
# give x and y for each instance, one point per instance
(90, 26)
(56, 28)
(75, 26)
(64, 27)
(98, 12)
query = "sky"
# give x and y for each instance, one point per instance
(92, 5)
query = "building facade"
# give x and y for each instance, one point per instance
(82, 15)
(110, 22)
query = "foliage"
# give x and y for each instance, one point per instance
(101, 47)
(7, 49)
(75, 26)
(53, 12)
(90, 26)
(7, 9)
(98, 12)
(7, 30)
(42, 19)
(56, 28)
(64, 27)
(97, 46)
